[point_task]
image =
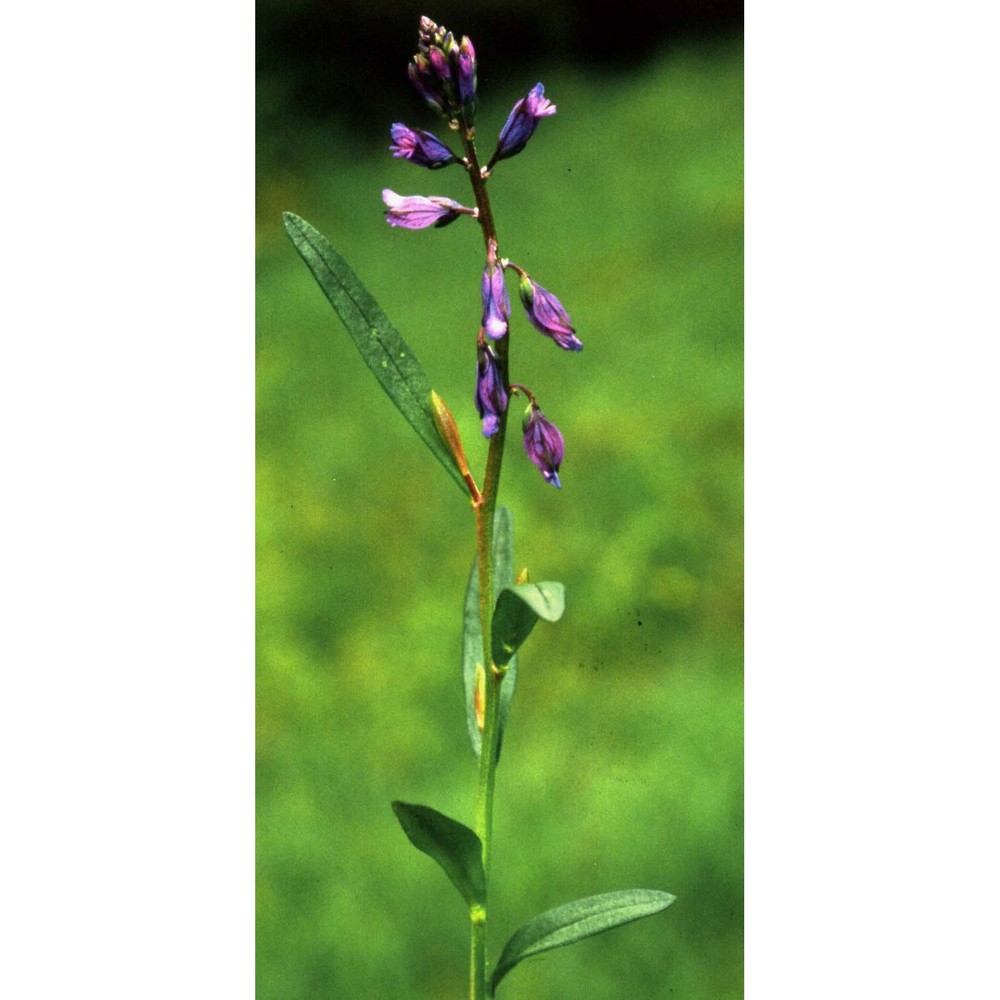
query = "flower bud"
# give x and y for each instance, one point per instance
(547, 314)
(417, 212)
(543, 444)
(491, 396)
(521, 123)
(422, 148)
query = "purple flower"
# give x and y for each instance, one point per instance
(418, 212)
(544, 444)
(522, 123)
(547, 314)
(496, 304)
(422, 148)
(491, 396)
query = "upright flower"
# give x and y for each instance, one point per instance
(417, 212)
(422, 148)
(543, 444)
(491, 396)
(496, 304)
(521, 123)
(547, 314)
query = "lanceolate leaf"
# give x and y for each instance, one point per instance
(577, 920)
(451, 844)
(472, 635)
(384, 350)
(517, 610)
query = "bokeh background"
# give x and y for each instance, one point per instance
(623, 759)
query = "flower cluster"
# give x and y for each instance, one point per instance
(444, 72)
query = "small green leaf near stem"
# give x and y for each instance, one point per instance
(575, 921)
(450, 843)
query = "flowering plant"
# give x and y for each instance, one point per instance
(500, 609)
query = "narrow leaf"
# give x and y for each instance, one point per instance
(518, 608)
(472, 634)
(384, 350)
(574, 921)
(451, 844)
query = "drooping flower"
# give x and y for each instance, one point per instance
(496, 303)
(491, 396)
(422, 148)
(521, 123)
(417, 212)
(547, 314)
(444, 71)
(543, 444)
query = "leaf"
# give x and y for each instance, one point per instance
(451, 844)
(472, 633)
(518, 608)
(385, 352)
(574, 921)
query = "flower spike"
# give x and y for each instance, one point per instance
(444, 71)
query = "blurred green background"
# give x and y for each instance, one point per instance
(623, 759)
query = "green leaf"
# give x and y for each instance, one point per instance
(472, 633)
(574, 921)
(451, 844)
(385, 352)
(517, 610)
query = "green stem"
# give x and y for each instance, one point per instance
(484, 553)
